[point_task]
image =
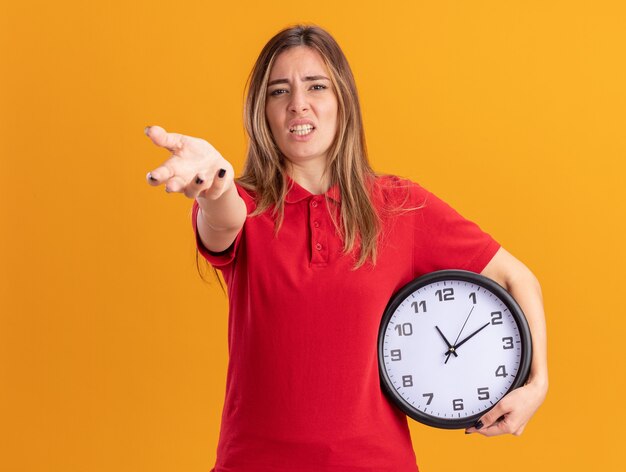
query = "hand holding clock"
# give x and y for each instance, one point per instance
(512, 413)
(515, 410)
(496, 392)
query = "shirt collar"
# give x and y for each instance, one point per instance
(296, 192)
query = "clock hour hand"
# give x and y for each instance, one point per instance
(450, 348)
(471, 335)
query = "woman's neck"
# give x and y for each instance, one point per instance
(309, 177)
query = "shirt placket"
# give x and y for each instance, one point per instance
(319, 241)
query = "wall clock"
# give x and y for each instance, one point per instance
(451, 344)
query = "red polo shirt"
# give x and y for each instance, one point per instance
(303, 390)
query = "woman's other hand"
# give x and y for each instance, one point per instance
(513, 412)
(193, 168)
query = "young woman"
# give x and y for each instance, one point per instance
(312, 244)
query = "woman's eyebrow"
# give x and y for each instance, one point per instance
(306, 79)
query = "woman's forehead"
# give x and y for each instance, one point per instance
(303, 60)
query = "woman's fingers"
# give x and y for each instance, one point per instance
(193, 168)
(196, 185)
(220, 180)
(162, 173)
(206, 187)
(171, 141)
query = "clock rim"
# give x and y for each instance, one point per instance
(456, 275)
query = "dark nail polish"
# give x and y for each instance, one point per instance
(221, 173)
(199, 181)
(152, 178)
(145, 130)
(468, 432)
(478, 424)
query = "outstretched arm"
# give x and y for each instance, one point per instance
(199, 171)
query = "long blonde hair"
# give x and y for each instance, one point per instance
(265, 171)
(347, 164)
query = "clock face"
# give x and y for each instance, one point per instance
(451, 345)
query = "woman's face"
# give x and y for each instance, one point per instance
(301, 106)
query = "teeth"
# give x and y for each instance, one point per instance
(301, 130)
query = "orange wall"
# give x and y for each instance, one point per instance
(113, 351)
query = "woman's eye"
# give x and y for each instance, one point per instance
(277, 92)
(319, 87)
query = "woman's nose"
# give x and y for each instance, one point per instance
(298, 101)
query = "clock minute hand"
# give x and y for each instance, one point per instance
(450, 348)
(471, 335)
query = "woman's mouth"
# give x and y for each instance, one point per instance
(301, 130)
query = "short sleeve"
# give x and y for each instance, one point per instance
(443, 239)
(227, 257)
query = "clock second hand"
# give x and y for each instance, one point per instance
(452, 349)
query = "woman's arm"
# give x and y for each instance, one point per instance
(199, 171)
(220, 220)
(518, 406)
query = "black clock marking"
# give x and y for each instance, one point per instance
(501, 371)
(508, 342)
(445, 295)
(430, 397)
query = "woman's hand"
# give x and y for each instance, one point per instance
(511, 414)
(192, 169)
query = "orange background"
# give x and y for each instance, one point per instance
(112, 349)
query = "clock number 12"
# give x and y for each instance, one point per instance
(445, 295)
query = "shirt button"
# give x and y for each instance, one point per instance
(316, 224)
(314, 203)
(318, 246)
